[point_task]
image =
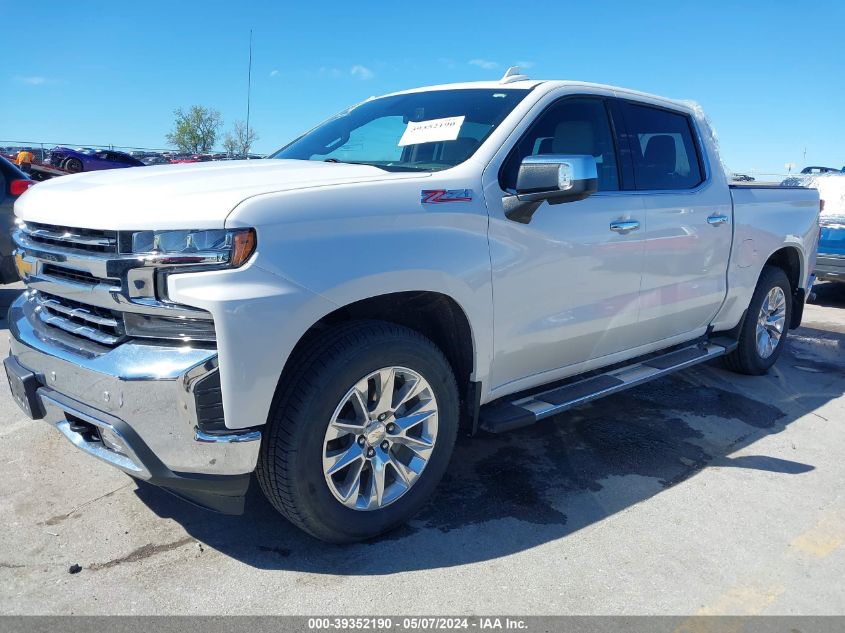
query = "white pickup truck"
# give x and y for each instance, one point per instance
(454, 258)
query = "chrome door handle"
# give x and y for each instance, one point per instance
(624, 226)
(717, 220)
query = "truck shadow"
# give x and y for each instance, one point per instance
(503, 494)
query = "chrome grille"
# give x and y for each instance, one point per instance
(103, 326)
(76, 276)
(90, 240)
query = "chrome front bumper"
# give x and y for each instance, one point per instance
(139, 397)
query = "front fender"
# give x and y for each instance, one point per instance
(360, 241)
(258, 317)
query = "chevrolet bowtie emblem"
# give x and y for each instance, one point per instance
(24, 267)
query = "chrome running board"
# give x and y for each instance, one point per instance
(505, 415)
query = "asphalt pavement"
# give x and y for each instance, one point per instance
(704, 492)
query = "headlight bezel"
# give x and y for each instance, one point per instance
(155, 250)
(206, 248)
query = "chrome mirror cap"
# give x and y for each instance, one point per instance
(554, 178)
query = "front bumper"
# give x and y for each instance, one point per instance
(134, 408)
(830, 267)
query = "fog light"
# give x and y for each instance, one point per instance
(112, 441)
(179, 328)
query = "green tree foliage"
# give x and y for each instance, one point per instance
(239, 141)
(196, 130)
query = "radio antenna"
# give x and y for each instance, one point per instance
(248, 89)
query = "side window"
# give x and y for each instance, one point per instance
(570, 126)
(662, 148)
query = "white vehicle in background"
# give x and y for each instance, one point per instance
(460, 257)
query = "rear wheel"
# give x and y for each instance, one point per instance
(361, 432)
(766, 324)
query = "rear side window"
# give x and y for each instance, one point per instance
(662, 147)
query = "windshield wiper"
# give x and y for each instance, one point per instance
(352, 162)
(390, 168)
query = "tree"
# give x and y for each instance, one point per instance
(240, 140)
(195, 131)
(230, 144)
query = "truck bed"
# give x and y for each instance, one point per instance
(762, 215)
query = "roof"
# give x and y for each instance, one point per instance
(529, 84)
(466, 85)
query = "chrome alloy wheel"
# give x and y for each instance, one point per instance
(771, 321)
(380, 438)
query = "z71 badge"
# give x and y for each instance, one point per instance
(433, 196)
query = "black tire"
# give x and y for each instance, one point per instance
(745, 359)
(73, 165)
(290, 465)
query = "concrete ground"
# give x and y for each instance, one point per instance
(706, 492)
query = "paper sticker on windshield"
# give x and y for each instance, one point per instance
(432, 131)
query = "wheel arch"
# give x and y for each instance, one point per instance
(436, 315)
(790, 259)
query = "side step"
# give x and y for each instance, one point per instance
(499, 416)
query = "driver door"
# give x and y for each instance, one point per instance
(566, 288)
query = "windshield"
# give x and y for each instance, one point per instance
(420, 131)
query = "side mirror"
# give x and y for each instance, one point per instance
(552, 178)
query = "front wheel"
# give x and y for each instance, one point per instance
(361, 432)
(73, 165)
(763, 333)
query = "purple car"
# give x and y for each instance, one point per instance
(74, 161)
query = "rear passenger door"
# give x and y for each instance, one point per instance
(688, 217)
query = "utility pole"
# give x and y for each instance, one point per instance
(805, 155)
(248, 89)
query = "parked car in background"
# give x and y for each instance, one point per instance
(742, 178)
(155, 159)
(76, 161)
(819, 170)
(830, 263)
(13, 183)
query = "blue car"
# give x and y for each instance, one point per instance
(830, 262)
(75, 161)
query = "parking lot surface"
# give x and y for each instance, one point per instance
(705, 492)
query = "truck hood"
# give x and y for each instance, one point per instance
(195, 196)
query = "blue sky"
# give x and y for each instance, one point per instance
(769, 74)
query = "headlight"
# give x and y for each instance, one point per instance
(230, 248)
